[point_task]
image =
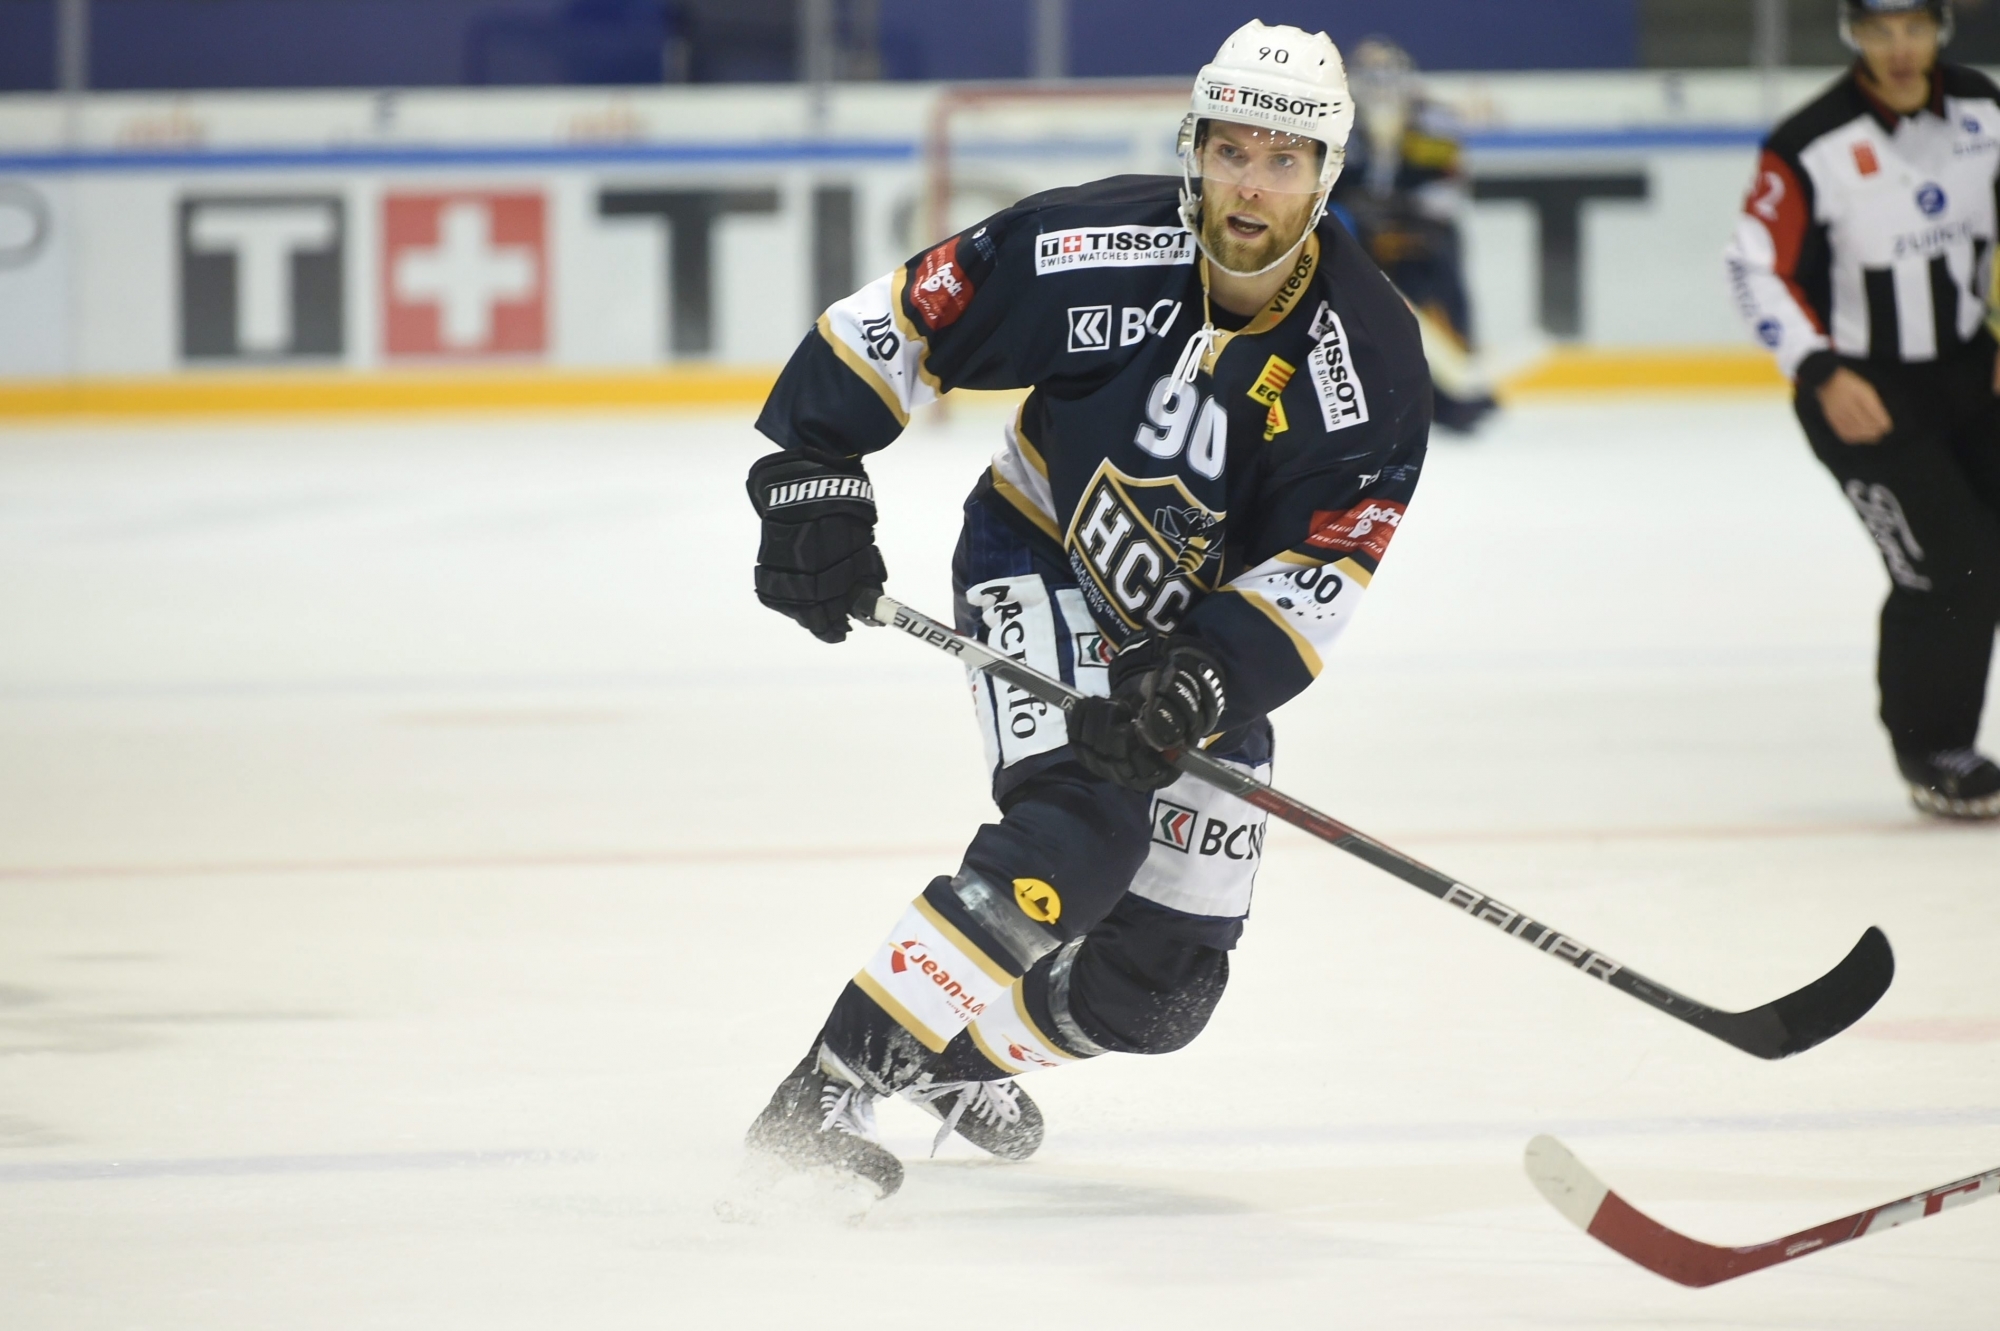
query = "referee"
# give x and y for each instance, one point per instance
(1864, 262)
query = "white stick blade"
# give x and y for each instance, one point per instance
(1563, 1179)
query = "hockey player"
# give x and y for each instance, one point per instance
(1402, 195)
(1229, 410)
(1864, 261)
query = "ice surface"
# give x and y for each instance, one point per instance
(420, 857)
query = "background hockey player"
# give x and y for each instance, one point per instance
(1229, 412)
(1864, 261)
(1402, 194)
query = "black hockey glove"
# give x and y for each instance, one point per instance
(1166, 693)
(818, 546)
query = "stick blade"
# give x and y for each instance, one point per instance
(1816, 1013)
(1585, 1200)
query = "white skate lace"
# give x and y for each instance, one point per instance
(848, 1109)
(994, 1101)
(1959, 762)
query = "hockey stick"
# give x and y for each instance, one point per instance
(1790, 1025)
(1601, 1213)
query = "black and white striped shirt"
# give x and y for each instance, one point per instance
(1870, 234)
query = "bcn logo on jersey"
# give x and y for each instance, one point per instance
(1090, 328)
(1142, 559)
(939, 288)
(1090, 325)
(1113, 247)
(1186, 831)
(1342, 403)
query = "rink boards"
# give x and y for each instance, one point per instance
(529, 232)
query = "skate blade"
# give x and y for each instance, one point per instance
(1940, 806)
(769, 1191)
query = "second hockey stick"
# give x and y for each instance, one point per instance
(1779, 1029)
(1601, 1213)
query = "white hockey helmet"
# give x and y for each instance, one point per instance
(1852, 10)
(1271, 77)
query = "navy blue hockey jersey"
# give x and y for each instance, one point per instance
(1250, 508)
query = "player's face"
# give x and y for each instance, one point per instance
(1898, 48)
(1258, 187)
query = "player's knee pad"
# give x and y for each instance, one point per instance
(1082, 837)
(1096, 996)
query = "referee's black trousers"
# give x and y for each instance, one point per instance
(1929, 495)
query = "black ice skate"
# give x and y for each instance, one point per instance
(823, 1117)
(1957, 783)
(995, 1116)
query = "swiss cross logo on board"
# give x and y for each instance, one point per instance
(1365, 527)
(465, 274)
(939, 288)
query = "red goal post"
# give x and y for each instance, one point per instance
(989, 141)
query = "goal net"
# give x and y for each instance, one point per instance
(989, 146)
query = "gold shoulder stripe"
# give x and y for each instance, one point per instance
(863, 371)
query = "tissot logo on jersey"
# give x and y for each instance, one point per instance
(1142, 549)
(1113, 247)
(824, 487)
(1342, 403)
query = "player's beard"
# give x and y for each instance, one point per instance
(1286, 216)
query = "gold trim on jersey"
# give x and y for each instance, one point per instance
(1027, 445)
(1010, 492)
(897, 281)
(1272, 314)
(1308, 654)
(862, 370)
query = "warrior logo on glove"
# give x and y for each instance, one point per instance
(818, 546)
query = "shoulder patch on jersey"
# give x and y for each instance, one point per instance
(1342, 401)
(1367, 528)
(1277, 373)
(939, 288)
(1113, 247)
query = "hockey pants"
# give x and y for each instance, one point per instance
(1929, 495)
(1088, 919)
